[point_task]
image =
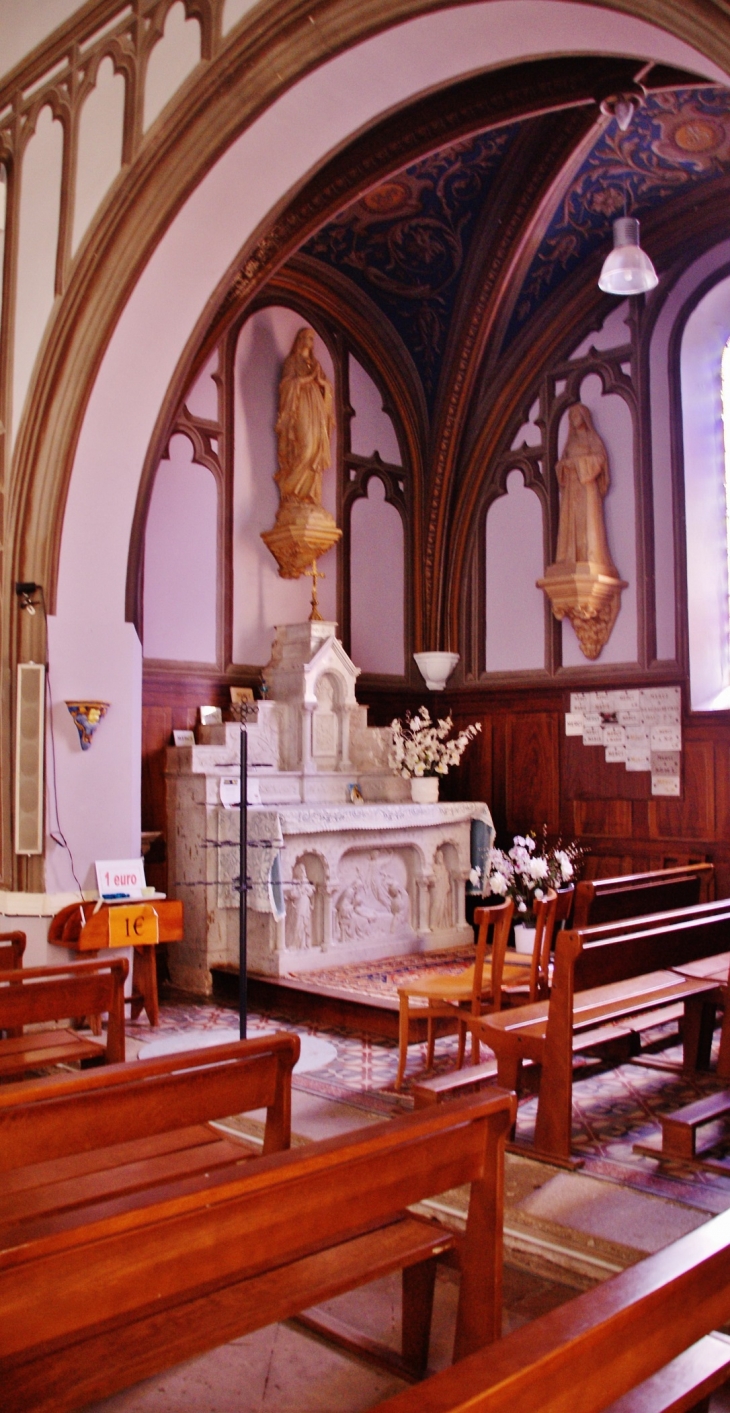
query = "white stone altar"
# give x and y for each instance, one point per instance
(331, 880)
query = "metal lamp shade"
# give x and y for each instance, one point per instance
(628, 269)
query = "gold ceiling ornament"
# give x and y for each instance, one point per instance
(583, 585)
(303, 530)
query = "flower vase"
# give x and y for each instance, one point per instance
(525, 937)
(424, 789)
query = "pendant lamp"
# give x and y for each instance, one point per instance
(628, 269)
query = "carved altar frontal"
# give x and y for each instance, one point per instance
(330, 881)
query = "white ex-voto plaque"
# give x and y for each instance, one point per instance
(633, 725)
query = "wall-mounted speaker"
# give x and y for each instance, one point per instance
(29, 756)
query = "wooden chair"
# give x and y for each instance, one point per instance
(478, 988)
(537, 985)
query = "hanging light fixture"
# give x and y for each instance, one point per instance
(628, 269)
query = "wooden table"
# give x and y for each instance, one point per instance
(88, 929)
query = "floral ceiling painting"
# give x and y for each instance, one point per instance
(407, 242)
(675, 140)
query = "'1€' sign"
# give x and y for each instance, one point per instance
(136, 926)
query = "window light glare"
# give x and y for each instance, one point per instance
(628, 269)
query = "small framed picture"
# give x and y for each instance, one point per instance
(211, 716)
(184, 738)
(241, 694)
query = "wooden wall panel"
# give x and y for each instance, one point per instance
(692, 816)
(610, 817)
(533, 772)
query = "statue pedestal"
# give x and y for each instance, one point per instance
(589, 596)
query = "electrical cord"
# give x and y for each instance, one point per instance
(56, 835)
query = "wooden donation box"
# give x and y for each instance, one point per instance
(88, 928)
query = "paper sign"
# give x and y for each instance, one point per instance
(573, 723)
(592, 735)
(120, 878)
(666, 738)
(665, 785)
(665, 763)
(134, 927)
(613, 735)
(230, 791)
(615, 753)
(184, 738)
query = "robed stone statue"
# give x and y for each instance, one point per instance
(304, 530)
(583, 584)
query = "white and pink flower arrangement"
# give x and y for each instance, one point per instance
(420, 746)
(525, 873)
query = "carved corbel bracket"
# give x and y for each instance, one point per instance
(302, 533)
(589, 596)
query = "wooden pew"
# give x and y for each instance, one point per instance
(604, 976)
(642, 1342)
(600, 900)
(130, 1280)
(448, 1086)
(33, 996)
(12, 947)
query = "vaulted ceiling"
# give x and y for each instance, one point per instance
(420, 244)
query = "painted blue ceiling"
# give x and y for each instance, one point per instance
(406, 242)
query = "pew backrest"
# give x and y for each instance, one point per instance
(33, 996)
(12, 947)
(629, 895)
(665, 940)
(72, 1114)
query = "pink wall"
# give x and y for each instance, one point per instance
(377, 583)
(371, 429)
(515, 560)
(99, 789)
(181, 560)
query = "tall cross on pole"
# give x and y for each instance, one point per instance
(314, 574)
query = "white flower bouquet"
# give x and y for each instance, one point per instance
(526, 873)
(422, 747)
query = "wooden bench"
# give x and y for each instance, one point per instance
(600, 900)
(138, 1275)
(447, 1086)
(642, 1342)
(33, 996)
(609, 982)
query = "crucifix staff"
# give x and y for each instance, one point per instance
(314, 574)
